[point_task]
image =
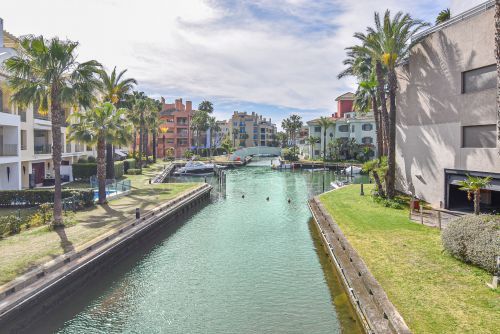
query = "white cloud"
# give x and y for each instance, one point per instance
(284, 53)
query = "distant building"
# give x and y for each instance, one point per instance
(248, 130)
(177, 117)
(447, 111)
(347, 125)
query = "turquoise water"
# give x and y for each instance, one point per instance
(239, 265)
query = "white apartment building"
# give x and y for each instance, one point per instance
(26, 138)
(347, 125)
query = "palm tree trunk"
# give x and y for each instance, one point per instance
(154, 146)
(140, 147)
(377, 124)
(134, 144)
(57, 115)
(146, 145)
(477, 199)
(101, 170)
(391, 159)
(110, 161)
(497, 56)
(380, 189)
(383, 105)
(324, 145)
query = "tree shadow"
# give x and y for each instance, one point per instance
(66, 245)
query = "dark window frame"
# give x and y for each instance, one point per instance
(462, 77)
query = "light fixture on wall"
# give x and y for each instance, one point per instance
(24, 170)
(8, 174)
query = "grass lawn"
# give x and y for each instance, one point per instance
(19, 253)
(434, 292)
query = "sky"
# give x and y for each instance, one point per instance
(274, 57)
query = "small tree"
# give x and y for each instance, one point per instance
(377, 168)
(473, 186)
(312, 140)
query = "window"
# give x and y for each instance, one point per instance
(316, 152)
(317, 129)
(344, 128)
(24, 140)
(352, 128)
(367, 140)
(367, 127)
(479, 136)
(479, 79)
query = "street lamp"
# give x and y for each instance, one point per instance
(163, 129)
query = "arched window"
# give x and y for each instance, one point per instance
(344, 128)
(367, 140)
(367, 127)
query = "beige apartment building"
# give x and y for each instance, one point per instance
(447, 111)
(249, 130)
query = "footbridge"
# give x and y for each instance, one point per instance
(242, 153)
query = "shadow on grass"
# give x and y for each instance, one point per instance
(66, 245)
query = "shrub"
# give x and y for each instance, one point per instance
(10, 224)
(91, 159)
(43, 216)
(84, 170)
(128, 163)
(83, 160)
(34, 197)
(396, 203)
(133, 171)
(119, 169)
(474, 239)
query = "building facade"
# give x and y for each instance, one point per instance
(26, 137)
(447, 111)
(348, 126)
(177, 118)
(249, 130)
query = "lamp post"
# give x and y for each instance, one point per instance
(163, 129)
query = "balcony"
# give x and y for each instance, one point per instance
(8, 150)
(43, 149)
(182, 134)
(68, 148)
(79, 147)
(43, 116)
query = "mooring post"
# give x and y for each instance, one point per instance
(412, 203)
(439, 219)
(362, 193)
(137, 213)
(421, 214)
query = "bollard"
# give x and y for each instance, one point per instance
(421, 215)
(137, 213)
(439, 219)
(149, 181)
(494, 282)
(411, 206)
(362, 193)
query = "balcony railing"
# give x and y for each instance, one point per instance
(68, 147)
(183, 134)
(79, 148)
(8, 150)
(43, 149)
(45, 117)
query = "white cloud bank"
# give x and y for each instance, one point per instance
(285, 53)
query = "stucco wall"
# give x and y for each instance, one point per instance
(432, 108)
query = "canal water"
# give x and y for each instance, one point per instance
(242, 264)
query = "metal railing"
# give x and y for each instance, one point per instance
(45, 117)
(43, 149)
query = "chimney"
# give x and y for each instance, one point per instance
(189, 106)
(178, 104)
(1, 32)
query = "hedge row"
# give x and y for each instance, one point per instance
(84, 170)
(129, 164)
(119, 169)
(34, 197)
(133, 171)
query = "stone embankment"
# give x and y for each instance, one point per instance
(376, 312)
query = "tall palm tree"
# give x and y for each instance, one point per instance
(206, 106)
(199, 123)
(312, 140)
(473, 186)
(214, 129)
(47, 75)
(443, 16)
(139, 109)
(295, 125)
(113, 89)
(390, 43)
(98, 126)
(325, 123)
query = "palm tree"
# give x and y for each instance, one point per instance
(325, 123)
(390, 43)
(214, 129)
(199, 123)
(98, 126)
(139, 110)
(294, 123)
(443, 16)
(154, 124)
(47, 75)
(473, 186)
(376, 167)
(206, 106)
(113, 89)
(311, 140)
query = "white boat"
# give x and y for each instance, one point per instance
(196, 167)
(355, 170)
(337, 184)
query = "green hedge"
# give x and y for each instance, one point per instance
(133, 171)
(84, 170)
(128, 164)
(34, 197)
(119, 169)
